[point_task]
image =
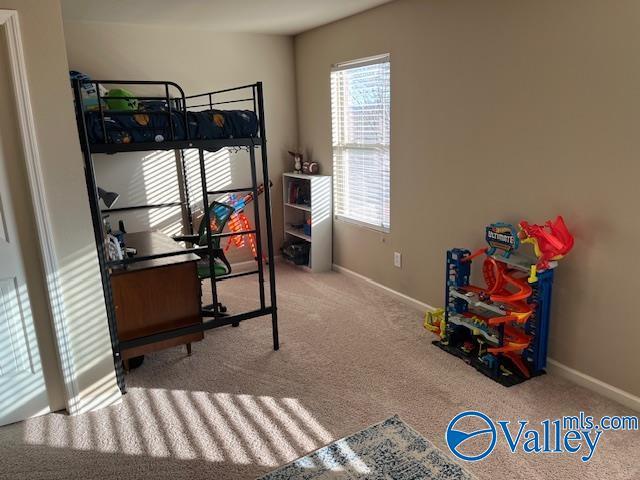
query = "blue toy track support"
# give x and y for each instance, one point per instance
(538, 324)
(543, 315)
(457, 275)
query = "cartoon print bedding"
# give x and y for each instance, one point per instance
(154, 125)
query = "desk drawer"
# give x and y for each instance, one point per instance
(156, 299)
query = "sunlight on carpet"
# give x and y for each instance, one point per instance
(187, 425)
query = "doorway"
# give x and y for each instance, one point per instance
(27, 388)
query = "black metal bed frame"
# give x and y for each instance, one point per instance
(180, 103)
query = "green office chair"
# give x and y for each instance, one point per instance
(219, 216)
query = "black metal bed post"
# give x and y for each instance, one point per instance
(170, 113)
(185, 185)
(256, 215)
(267, 208)
(96, 218)
(254, 95)
(207, 218)
(100, 109)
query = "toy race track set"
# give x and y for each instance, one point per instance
(502, 329)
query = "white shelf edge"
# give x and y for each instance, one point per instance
(298, 234)
(304, 176)
(298, 207)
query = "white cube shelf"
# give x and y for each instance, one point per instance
(318, 208)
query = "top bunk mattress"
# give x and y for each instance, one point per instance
(155, 126)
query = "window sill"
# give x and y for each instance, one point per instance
(358, 223)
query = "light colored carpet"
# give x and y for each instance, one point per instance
(350, 356)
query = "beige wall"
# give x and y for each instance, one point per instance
(502, 111)
(200, 61)
(87, 341)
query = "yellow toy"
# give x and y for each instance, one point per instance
(434, 322)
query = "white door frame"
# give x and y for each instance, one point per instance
(10, 24)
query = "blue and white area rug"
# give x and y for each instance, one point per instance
(385, 451)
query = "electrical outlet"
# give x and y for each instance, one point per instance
(397, 259)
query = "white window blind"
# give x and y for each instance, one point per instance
(360, 111)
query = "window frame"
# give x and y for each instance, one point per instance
(347, 65)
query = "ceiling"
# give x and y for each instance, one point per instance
(287, 17)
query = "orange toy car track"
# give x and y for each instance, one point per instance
(497, 276)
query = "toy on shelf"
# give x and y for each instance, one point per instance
(501, 329)
(297, 161)
(310, 168)
(299, 193)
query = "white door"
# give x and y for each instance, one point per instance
(22, 388)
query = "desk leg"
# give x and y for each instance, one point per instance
(189, 349)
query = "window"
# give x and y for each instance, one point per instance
(360, 114)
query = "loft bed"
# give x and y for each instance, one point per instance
(168, 121)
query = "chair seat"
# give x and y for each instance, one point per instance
(219, 268)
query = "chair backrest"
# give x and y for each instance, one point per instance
(219, 214)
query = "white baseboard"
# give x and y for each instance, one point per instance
(614, 393)
(406, 299)
(554, 367)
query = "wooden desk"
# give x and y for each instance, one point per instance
(156, 295)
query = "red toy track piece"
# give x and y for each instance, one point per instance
(517, 361)
(493, 271)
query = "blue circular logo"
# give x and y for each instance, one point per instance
(456, 438)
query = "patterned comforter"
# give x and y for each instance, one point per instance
(155, 125)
